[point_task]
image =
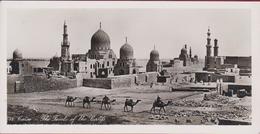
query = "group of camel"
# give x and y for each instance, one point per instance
(106, 102)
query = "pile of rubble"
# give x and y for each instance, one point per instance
(191, 103)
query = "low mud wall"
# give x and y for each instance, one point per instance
(98, 83)
(14, 84)
(41, 83)
(121, 81)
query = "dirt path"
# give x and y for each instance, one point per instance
(187, 107)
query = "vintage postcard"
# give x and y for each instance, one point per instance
(127, 64)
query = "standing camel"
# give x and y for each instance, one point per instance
(131, 103)
(107, 103)
(160, 104)
(70, 101)
(88, 100)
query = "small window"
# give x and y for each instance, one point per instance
(107, 63)
(113, 63)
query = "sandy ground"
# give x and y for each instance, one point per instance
(187, 107)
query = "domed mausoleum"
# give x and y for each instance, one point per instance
(154, 64)
(184, 56)
(100, 40)
(17, 54)
(100, 46)
(126, 64)
(126, 51)
(101, 58)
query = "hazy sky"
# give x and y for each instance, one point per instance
(38, 32)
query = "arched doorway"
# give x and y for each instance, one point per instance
(134, 71)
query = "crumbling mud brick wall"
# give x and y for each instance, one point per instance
(98, 83)
(41, 83)
(11, 86)
(122, 81)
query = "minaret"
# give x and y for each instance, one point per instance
(190, 53)
(65, 44)
(208, 44)
(215, 47)
(208, 50)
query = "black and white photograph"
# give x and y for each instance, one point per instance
(129, 66)
(141, 66)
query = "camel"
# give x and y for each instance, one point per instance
(87, 100)
(70, 101)
(131, 103)
(107, 103)
(159, 104)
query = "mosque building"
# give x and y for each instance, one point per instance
(154, 63)
(100, 59)
(225, 64)
(126, 64)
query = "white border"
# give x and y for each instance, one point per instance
(199, 129)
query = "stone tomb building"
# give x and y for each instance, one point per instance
(126, 64)
(154, 63)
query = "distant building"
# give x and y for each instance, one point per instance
(126, 64)
(154, 63)
(99, 61)
(225, 64)
(184, 58)
(26, 66)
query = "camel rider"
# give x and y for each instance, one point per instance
(158, 99)
(106, 98)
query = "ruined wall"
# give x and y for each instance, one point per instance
(11, 86)
(80, 77)
(41, 83)
(242, 62)
(98, 83)
(121, 81)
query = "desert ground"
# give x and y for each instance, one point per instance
(186, 108)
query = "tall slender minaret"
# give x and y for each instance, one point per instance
(208, 44)
(190, 53)
(215, 47)
(208, 50)
(65, 44)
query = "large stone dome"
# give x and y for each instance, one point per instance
(100, 41)
(154, 55)
(17, 54)
(126, 51)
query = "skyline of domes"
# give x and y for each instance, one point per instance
(100, 40)
(126, 51)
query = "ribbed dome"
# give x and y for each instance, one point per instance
(100, 41)
(126, 52)
(154, 55)
(17, 54)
